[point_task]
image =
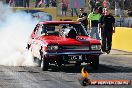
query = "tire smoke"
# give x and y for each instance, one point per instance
(15, 29)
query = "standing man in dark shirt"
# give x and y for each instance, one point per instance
(107, 25)
(83, 18)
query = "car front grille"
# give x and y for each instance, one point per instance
(73, 47)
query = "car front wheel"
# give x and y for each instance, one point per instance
(37, 61)
(78, 63)
(95, 63)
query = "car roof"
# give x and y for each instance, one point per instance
(59, 22)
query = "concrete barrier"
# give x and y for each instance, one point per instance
(66, 18)
(52, 11)
(122, 39)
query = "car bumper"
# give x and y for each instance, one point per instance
(75, 53)
(72, 56)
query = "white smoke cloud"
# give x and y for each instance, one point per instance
(15, 28)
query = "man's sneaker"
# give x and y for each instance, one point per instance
(108, 51)
(103, 51)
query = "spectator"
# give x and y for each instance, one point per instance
(92, 4)
(106, 4)
(75, 4)
(64, 4)
(99, 6)
(83, 18)
(26, 3)
(74, 10)
(107, 23)
(38, 3)
(9, 2)
(53, 3)
(20, 3)
(129, 12)
(46, 2)
(93, 19)
(16, 2)
(127, 3)
(117, 8)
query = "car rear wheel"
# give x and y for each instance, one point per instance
(37, 61)
(44, 65)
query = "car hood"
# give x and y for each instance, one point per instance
(80, 40)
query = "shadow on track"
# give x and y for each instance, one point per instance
(103, 68)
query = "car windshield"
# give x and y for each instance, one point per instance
(56, 29)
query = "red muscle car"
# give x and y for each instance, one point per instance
(63, 42)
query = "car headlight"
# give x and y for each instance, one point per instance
(52, 47)
(95, 47)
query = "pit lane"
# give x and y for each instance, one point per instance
(116, 65)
